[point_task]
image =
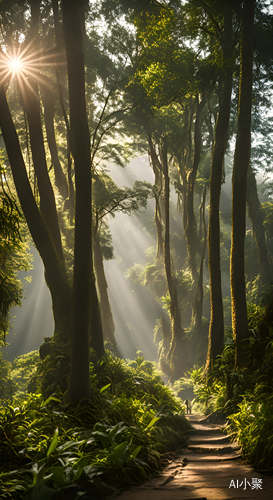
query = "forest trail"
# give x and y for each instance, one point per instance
(204, 471)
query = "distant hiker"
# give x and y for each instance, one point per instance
(188, 407)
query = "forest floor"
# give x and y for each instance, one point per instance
(210, 468)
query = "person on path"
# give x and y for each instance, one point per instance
(188, 407)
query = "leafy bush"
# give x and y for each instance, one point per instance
(244, 396)
(252, 427)
(22, 371)
(6, 384)
(56, 451)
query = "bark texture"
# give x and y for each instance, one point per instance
(216, 327)
(84, 290)
(108, 325)
(55, 273)
(177, 333)
(256, 215)
(239, 186)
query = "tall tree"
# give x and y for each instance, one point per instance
(177, 333)
(84, 291)
(71, 309)
(216, 327)
(239, 185)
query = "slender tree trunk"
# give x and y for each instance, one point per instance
(164, 345)
(191, 226)
(256, 216)
(239, 186)
(108, 325)
(216, 327)
(31, 101)
(60, 81)
(55, 273)
(95, 328)
(84, 290)
(176, 329)
(199, 293)
(46, 193)
(158, 188)
(60, 179)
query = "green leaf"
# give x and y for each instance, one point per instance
(136, 451)
(119, 452)
(53, 444)
(48, 400)
(105, 387)
(152, 423)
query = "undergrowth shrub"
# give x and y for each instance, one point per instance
(251, 425)
(56, 451)
(244, 396)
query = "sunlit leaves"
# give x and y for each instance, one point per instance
(53, 444)
(110, 199)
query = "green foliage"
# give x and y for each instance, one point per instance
(252, 427)
(6, 384)
(244, 396)
(52, 451)
(22, 371)
(13, 257)
(110, 199)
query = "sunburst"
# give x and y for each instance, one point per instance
(28, 66)
(15, 65)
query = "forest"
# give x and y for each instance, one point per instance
(136, 149)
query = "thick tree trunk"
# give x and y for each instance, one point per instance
(83, 283)
(256, 216)
(239, 186)
(216, 327)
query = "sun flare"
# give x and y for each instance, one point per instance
(15, 65)
(25, 65)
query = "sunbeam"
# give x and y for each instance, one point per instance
(32, 321)
(134, 312)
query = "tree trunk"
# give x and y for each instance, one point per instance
(256, 216)
(176, 329)
(95, 328)
(216, 327)
(239, 187)
(198, 297)
(158, 188)
(191, 226)
(83, 278)
(31, 102)
(108, 325)
(60, 179)
(55, 273)
(47, 198)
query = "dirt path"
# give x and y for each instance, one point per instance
(205, 471)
